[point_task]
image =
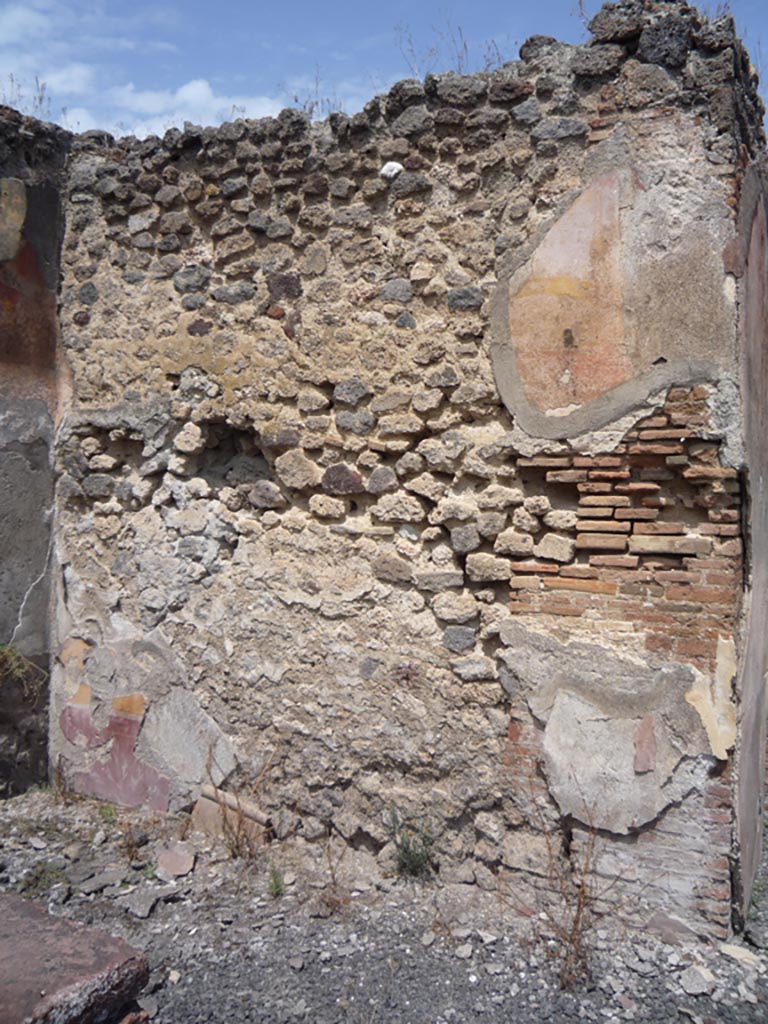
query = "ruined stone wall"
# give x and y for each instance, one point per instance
(403, 467)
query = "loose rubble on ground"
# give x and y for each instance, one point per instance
(273, 937)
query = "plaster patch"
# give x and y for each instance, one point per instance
(714, 703)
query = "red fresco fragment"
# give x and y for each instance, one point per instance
(121, 778)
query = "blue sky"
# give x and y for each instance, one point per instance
(140, 67)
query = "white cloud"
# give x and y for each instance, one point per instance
(71, 80)
(153, 111)
(19, 24)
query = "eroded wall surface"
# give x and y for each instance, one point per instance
(31, 225)
(403, 467)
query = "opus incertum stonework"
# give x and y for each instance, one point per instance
(440, 490)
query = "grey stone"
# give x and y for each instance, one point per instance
(88, 294)
(410, 183)
(459, 638)
(406, 321)
(232, 294)
(617, 22)
(382, 479)
(351, 391)
(413, 121)
(665, 42)
(461, 90)
(528, 112)
(465, 298)
(191, 279)
(360, 421)
(265, 494)
(465, 538)
(559, 128)
(593, 61)
(342, 479)
(397, 289)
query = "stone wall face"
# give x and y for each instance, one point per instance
(403, 467)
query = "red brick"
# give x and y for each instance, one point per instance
(688, 545)
(615, 561)
(583, 572)
(596, 512)
(602, 526)
(546, 461)
(656, 449)
(653, 423)
(636, 513)
(609, 474)
(584, 586)
(705, 473)
(637, 487)
(597, 461)
(532, 565)
(666, 433)
(601, 542)
(617, 500)
(566, 476)
(593, 488)
(659, 528)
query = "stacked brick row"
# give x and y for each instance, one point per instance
(657, 536)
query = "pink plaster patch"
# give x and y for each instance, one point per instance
(567, 319)
(121, 777)
(645, 746)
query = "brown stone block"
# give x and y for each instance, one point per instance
(720, 529)
(583, 586)
(647, 545)
(582, 572)
(595, 512)
(602, 526)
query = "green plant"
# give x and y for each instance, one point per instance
(413, 846)
(17, 669)
(107, 813)
(276, 883)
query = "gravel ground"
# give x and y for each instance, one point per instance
(323, 939)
